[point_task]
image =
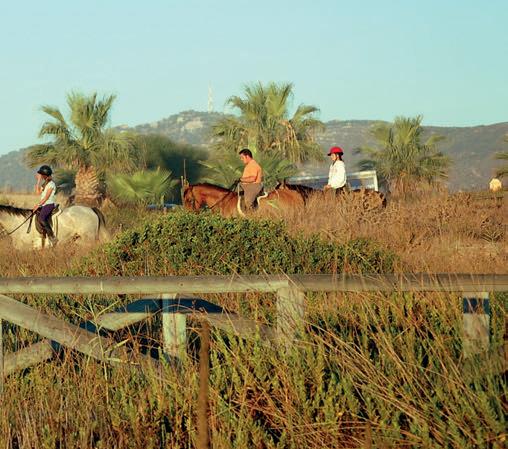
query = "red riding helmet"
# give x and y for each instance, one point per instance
(336, 150)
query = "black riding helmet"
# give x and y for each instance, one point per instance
(45, 170)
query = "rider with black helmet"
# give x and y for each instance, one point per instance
(46, 188)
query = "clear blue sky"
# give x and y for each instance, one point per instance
(445, 59)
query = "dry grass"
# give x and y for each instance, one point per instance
(435, 233)
(371, 370)
(26, 200)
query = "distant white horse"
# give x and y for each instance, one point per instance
(80, 224)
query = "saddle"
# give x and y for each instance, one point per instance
(241, 193)
(39, 227)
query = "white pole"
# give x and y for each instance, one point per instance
(174, 327)
(476, 322)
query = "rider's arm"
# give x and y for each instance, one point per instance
(38, 187)
(43, 200)
(248, 179)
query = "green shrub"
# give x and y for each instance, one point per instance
(182, 244)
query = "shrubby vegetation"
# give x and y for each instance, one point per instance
(369, 370)
(142, 187)
(185, 243)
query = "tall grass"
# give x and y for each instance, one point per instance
(368, 370)
(436, 232)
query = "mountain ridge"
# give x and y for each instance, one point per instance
(471, 147)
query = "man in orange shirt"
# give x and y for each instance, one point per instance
(252, 178)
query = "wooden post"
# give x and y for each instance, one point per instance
(1, 360)
(174, 328)
(290, 312)
(476, 322)
(203, 434)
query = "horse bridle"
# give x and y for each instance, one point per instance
(193, 198)
(4, 233)
(231, 190)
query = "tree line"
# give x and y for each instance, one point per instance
(127, 167)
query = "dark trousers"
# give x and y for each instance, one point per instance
(250, 193)
(44, 213)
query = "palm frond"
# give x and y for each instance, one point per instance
(265, 124)
(143, 186)
(400, 155)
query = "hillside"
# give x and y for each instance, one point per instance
(14, 174)
(471, 148)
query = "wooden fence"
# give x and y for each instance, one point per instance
(170, 296)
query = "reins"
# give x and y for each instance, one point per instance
(4, 233)
(231, 190)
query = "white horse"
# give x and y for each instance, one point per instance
(80, 224)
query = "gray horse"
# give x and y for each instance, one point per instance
(80, 224)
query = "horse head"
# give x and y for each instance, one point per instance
(189, 200)
(193, 198)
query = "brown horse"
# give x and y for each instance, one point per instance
(227, 202)
(370, 198)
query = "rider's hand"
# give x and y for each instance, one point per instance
(35, 208)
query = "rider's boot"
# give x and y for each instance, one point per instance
(49, 232)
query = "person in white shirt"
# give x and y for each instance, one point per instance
(46, 188)
(337, 173)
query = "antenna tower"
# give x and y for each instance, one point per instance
(210, 98)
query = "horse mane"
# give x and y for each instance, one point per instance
(15, 210)
(207, 184)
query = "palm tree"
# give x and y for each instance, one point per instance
(226, 168)
(181, 159)
(142, 187)
(84, 144)
(265, 124)
(402, 158)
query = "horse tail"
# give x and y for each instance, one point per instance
(102, 232)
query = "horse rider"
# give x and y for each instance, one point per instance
(46, 188)
(252, 178)
(337, 173)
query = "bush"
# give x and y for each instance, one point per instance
(183, 244)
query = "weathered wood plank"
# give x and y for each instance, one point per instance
(141, 284)
(128, 315)
(174, 327)
(290, 313)
(66, 334)
(243, 327)
(27, 357)
(258, 283)
(142, 309)
(1, 359)
(414, 282)
(476, 323)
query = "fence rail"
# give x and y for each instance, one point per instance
(256, 283)
(168, 297)
(170, 300)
